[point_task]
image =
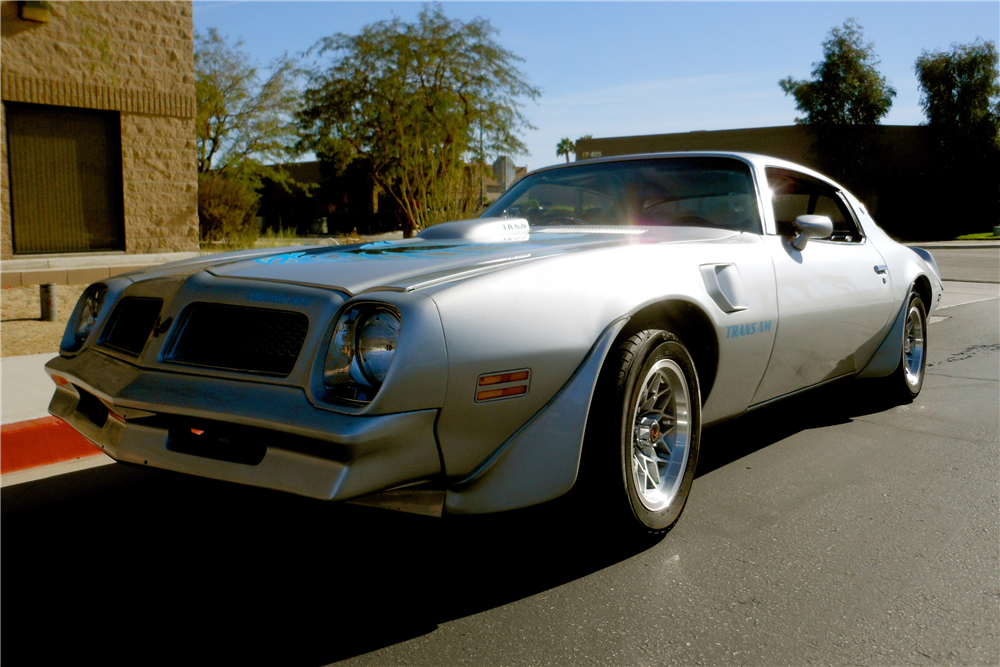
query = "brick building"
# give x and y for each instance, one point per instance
(98, 128)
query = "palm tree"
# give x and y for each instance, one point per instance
(565, 147)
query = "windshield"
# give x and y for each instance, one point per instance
(680, 191)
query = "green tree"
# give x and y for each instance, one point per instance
(960, 93)
(244, 119)
(844, 102)
(227, 207)
(423, 104)
(565, 147)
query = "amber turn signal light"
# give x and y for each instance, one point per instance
(500, 378)
(504, 384)
(500, 393)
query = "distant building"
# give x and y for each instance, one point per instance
(494, 189)
(98, 128)
(344, 203)
(330, 205)
(898, 197)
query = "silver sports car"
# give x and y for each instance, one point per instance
(580, 333)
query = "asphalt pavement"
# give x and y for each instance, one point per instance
(834, 528)
(979, 264)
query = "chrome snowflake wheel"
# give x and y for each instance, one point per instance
(642, 441)
(661, 434)
(914, 341)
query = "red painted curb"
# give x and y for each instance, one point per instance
(39, 442)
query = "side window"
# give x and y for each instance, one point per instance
(794, 194)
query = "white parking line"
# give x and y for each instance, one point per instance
(957, 293)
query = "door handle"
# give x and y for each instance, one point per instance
(881, 269)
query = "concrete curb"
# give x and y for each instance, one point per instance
(80, 269)
(41, 442)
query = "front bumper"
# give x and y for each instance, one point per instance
(260, 434)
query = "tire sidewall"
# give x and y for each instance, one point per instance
(659, 346)
(914, 300)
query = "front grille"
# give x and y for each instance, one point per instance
(248, 340)
(130, 324)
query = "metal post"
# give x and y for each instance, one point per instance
(50, 302)
(482, 162)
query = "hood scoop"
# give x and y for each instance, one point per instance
(494, 229)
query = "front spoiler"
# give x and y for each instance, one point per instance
(137, 416)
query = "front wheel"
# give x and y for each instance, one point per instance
(650, 431)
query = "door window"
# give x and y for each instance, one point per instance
(794, 194)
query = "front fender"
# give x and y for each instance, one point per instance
(541, 460)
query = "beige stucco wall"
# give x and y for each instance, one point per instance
(133, 57)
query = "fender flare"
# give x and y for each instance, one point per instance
(889, 353)
(540, 461)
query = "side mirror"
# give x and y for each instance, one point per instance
(807, 226)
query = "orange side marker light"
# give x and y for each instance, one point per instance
(501, 393)
(503, 377)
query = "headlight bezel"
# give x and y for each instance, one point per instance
(375, 367)
(85, 318)
(346, 376)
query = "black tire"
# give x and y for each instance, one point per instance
(907, 380)
(634, 475)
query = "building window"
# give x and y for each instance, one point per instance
(65, 179)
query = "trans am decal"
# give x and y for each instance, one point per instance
(738, 330)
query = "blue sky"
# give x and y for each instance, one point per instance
(626, 68)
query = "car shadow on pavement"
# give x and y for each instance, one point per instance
(836, 403)
(181, 570)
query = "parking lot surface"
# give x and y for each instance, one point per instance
(832, 528)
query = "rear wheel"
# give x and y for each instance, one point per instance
(645, 445)
(908, 378)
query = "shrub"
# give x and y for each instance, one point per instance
(227, 210)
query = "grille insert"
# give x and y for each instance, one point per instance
(248, 340)
(130, 324)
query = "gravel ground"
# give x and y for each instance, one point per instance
(21, 328)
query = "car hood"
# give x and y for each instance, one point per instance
(419, 262)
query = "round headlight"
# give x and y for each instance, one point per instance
(377, 334)
(91, 302)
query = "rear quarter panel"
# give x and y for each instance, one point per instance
(905, 266)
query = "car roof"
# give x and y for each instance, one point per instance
(756, 160)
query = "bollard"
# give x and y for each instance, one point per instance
(50, 302)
